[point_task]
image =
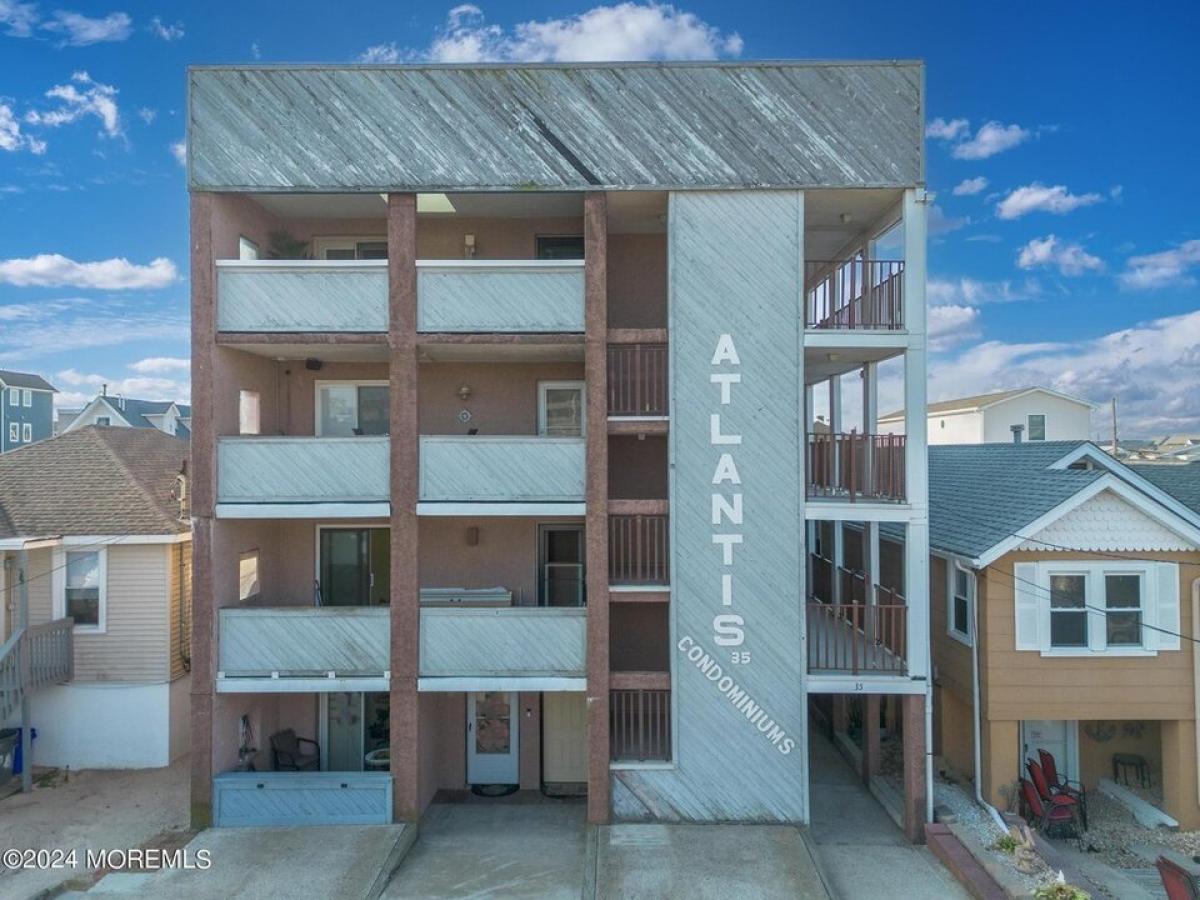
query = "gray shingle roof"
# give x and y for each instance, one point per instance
(136, 411)
(25, 380)
(1180, 481)
(92, 481)
(981, 494)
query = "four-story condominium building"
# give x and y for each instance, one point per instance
(504, 463)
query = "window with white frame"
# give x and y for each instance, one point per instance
(84, 587)
(1037, 427)
(248, 586)
(27, 432)
(14, 433)
(962, 596)
(561, 409)
(1114, 607)
(104, 421)
(248, 412)
(27, 397)
(14, 397)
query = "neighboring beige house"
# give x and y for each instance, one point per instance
(1042, 414)
(98, 520)
(1065, 579)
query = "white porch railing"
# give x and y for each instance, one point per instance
(303, 295)
(34, 657)
(511, 295)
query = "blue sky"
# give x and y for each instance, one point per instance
(1064, 245)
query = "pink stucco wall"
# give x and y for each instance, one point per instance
(637, 281)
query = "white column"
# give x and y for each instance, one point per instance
(810, 527)
(835, 428)
(916, 559)
(870, 415)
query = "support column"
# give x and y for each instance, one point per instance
(595, 252)
(838, 554)
(870, 744)
(1181, 795)
(203, 489)
(405, 589)
(914, 767)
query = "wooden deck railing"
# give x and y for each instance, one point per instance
(637, 380)
(639, 725)
(854, 294)
(857, 637)
(638, 551)
(856, 466)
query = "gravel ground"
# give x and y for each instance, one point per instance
(978, 821)
(1113, 832)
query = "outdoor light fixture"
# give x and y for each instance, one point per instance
(464, 392)
(468, 246)
(845, 217)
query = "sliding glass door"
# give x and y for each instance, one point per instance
(355, 567)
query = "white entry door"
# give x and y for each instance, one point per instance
(1058, 738)
(493, 721)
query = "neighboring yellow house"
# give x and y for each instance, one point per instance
(1069, 582)
(96, 522)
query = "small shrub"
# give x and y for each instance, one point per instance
(1061, 891)
(1007, 844)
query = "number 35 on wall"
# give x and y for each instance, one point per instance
(740, 657)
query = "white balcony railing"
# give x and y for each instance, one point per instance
(508, 642)
(297, 296)
(302, 470)
(502, 469)
(525, 295)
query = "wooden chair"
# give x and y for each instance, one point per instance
(287, 755)
(1048, 795)
(1178, 884)
(1058, 813)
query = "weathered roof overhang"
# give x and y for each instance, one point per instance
(652, 126)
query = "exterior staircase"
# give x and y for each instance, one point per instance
(35, 656)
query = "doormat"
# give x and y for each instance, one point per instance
(493, 790)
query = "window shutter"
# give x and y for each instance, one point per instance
(1165, 614)
(1028, 612)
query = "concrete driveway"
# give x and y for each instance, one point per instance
(496, 850)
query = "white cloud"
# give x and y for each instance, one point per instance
(137, 387)
(107, 325)
(951, 325)
(624, 31)
(939, 223)
(79, 30)
(990, 139)
(256, 50)
(146, 114)
(165, 31)
(161, 365)
(84, 97)
(381, 53)
(941, 130)
(19, 19)
(11, 136)
(1039, 197)
(973, 292)
(56, 270)
(1168, 268)
(970, 186)
(1069, 258)
(1144, 367)
(179, 151)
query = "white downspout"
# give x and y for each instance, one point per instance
(978, 728)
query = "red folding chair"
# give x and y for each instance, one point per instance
(1058, 814)
(1047, 794)
(1060, 784)
(1178, 884)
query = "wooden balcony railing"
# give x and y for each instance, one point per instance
(637, 380)
(858, 637)
(855, 294)
(638, 550)
(639, 725)
(856, 466)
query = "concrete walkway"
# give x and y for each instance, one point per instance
(860, 849)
